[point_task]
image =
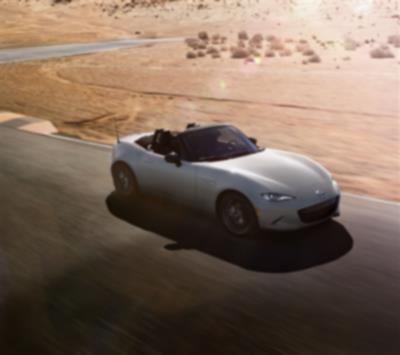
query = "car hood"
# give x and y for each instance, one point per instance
(282, 172)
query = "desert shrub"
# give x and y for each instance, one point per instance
(308, 52)
(224, 49)
(257, 38)
(192, 42)
(269, 54)
(254, 52)
(271, 38)
(203, 35)
(394, 40)
(381, 53)
(55, 2)
(201, 54)
(211, 50)
(239, 53)
(215, 39)
(277, 45)
(314, 59)
(350, 44)
(191, 55)
(242, 35)
(215, 55)
(202, 45)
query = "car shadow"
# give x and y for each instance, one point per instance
(268, 252)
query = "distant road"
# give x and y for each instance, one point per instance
(12, 55)
(89, 273)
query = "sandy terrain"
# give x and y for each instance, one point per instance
(338, 104)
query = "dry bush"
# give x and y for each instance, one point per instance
(201, 54)
(202, 45)
(381, 53)
(192, 43)
(257, 38)
(351, 44)
(308, 52)
(315, 59)
(277, 45)
(269, 54)
(242, 35)
(239, 53)
(215, 55)
(394, 40)
(203, 35)
(271, 38)
(211, 50)
(215, 39)
(254, 52)
(191, 55)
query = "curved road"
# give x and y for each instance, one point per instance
(13, 55)
(88, 273)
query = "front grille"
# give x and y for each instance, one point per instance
(318, 212)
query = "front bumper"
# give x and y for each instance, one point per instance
(293, 216)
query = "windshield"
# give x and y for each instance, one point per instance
(217, 143)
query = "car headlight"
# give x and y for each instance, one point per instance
(274, 197)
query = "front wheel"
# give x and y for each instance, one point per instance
(124, 180)
(237, 215)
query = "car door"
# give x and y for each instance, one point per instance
(168, 180)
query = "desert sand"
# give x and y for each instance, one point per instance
(317, 77)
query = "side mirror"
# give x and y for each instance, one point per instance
(253, 140)
(173, 158)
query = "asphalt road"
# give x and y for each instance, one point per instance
(87, 273)
(13, 55)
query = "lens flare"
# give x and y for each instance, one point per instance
(363, 6)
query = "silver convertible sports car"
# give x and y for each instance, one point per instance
(218, 169)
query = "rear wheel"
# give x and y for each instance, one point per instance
(124, 179)
(237, 214)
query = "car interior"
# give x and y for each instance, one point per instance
(161, 142)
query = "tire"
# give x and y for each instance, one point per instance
(124, 180)
(237, 215)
